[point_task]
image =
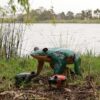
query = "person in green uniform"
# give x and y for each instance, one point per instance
(58, 58)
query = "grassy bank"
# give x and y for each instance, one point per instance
(91, 66)
(87, 21)
(8, 69)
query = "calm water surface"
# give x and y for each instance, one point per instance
(78, 37)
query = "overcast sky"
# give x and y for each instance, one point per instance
(62, 5)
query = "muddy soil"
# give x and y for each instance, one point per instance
(38, 89)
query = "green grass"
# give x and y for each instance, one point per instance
(14, 66)
(8, 69)
(86, 21)
(91, 66)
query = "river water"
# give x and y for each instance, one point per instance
(78, 37)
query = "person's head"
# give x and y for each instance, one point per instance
(36, 48)
(37, 52)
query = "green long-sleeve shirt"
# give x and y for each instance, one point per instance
(58, 56)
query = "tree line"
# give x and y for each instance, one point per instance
(41, 14)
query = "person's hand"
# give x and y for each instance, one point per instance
(33, 74)
(30, 77)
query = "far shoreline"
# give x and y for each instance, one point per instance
(76, 21)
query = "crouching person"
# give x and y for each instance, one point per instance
(58, 58)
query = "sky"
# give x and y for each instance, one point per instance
(62, 5)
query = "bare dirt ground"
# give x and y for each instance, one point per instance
(39, 90)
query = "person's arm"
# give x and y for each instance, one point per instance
(39, 67)
(77, 64)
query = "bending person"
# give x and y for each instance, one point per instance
(58, 59)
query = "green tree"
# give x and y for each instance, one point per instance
(83, 14)
(34, 15)
(97, 12)
(69, 15)
(89, 14)
(86, 14)
(46, 15)
(61, 15)
(78, 15)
